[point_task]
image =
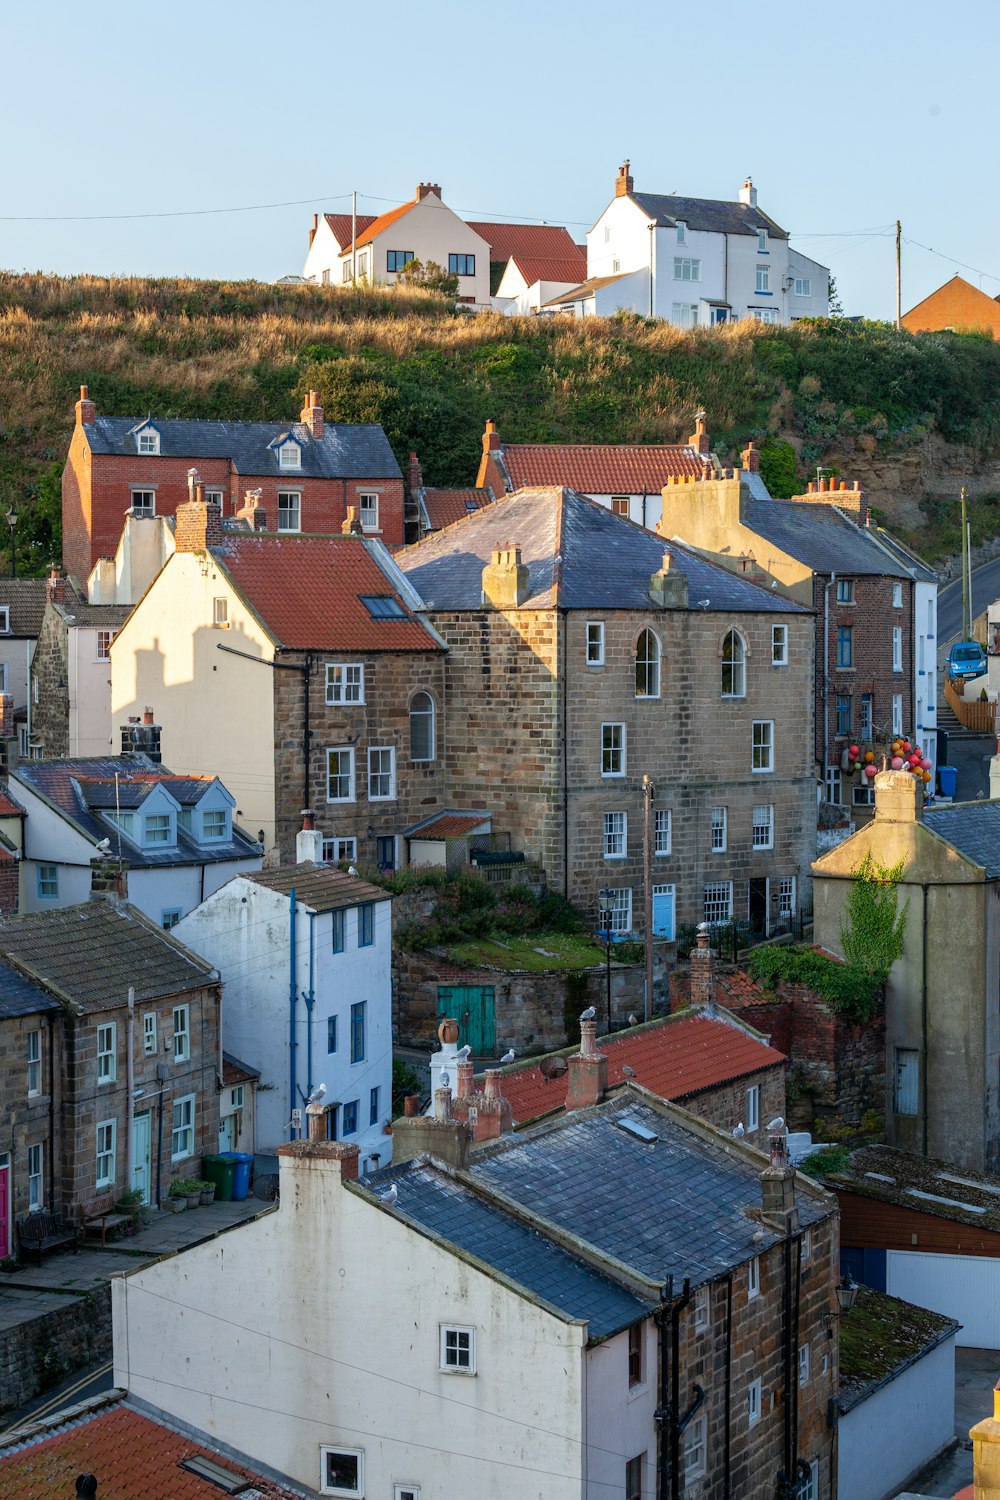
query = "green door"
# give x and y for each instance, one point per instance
(472, 1005)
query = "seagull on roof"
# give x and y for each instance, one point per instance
(629, 1072)
(352, 871)
(464, 1051)
(318, 1094)
(778, 1123)
(588, 1014)
(508, 1056)
(738, 1131)
(389, 1198)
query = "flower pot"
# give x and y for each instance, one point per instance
(193, 1200)
(174, 1205)
(208, 1194)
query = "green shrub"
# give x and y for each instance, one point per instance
(846, 988)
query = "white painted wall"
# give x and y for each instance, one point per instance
(514, 296)
(16, 657)
(323, 255)
(143, 547)
(963, 1287)
(89, 690)
(318, 1324)
(244, 930)
(624, 1416)
(883, 1440)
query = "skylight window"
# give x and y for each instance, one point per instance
(383, 607)
(641, 1132)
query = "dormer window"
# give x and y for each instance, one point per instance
(290, 456)
(762, 240)
(215, 824)
(157, 830)
(149, 440)
(4, 619)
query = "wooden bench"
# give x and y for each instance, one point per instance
(100, 1212)
(40, 1231)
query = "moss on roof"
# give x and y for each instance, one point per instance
(879, 1338)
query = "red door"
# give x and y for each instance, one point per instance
(5, 1210)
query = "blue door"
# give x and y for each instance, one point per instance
(663, 911)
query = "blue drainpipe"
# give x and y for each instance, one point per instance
(310, 1000)
(291, 999)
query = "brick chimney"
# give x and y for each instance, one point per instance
(748, 194)
(491, 438)
(777, 1185)
(703, 968)
(986, 1452)
(899, 797)
(587, 1076)
(699, 438)
(505, 578)
(252, 512)
(669, 586)
(86, 410)
(108, 880)
(623, 182)
(839, 493)
(308, 840)
(8, 884)
(311, 414)
(751, 459)
(351, 524)
(312, 232)
(486, 1112)
(198, 526)
(55, 586)
(423, 188)
(414, 476)
(442, 1134)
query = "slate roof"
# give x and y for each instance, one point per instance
(588, 1176)
(883, 1337)
(93, 952)
(81, 788)
(319, 887)
(676, 1058)
(547, 241)
(20, 997)
(26, 599)
(586, 288)
(345, 451)
(306, 591)
(922, 1184)
(441, 507)
(973, 828)
(601, 469)
(821, 537)
(131, 1453)
(712, 215)
(449, 1209)
(578, 554)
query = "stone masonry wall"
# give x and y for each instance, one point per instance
(38, 1354)
(872, 617)
(727, 1107)
(26, 1118)
(50, 669)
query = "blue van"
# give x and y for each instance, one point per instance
(967, 659)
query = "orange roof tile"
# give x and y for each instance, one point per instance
(341, 225)
(445, 506)
(132, 1456)
(550, 241)
(376, 226)
(675, 1058)
(607, 469)
(569, 268)
(451, 826)
(307, 591)
(11, 809)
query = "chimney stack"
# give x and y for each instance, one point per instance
(699, 438)
(55, 586)
(415, 476)
(986, 1452)
(623, 182)
(86, 410)
(748, 194)
(142, 739)
(108, 880)
(703, 968)
(252, 512)
(423, 188)
(587, 1075)
(312, 232)
(8, 729)
(777, 1184)
(899, 797)
(351, 524)
(669, 587)
(505, 579)
(311, 414)
(198, 526)
(751, 459)
(491, 438)
(309, 840)
(487, 1112)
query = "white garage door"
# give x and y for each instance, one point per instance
(964, 1287)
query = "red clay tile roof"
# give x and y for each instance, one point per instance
(550, 241)
(592, 469)
(376, 226)
(445, 506)
(568, 268)
(11, 809)
(451, 826)
(675, 1058)
(341, 225)
(131, 1455)
(306, 591)
(234, 1071)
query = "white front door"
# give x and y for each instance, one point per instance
(228, 1132)
(142, 1136)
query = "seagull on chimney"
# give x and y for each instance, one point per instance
(508, 1057)
(738, 1131)
(389, 1198)
(104, 846)
(588, 1014)
(777, 1123)
(351, 870)
(464, 1052)
(318, 1094)
(629, 1072)
(445, 1080)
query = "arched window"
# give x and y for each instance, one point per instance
(422, 727)
(734, 666)
(647, 666)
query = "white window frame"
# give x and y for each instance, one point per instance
(763, 825)
(379, 775)
(720, 829)
(36, 1175)
(106, 1140)
(897, 713)
(107, 1052)
(461, 1330)
(182, 1134)
(753, 1403)
(762, 241)
(340, 750)
(786, 896)
(615, 835)
(150, 1040)
(803, 1364)
(763, 279)
(292, 509)
(811, 1490)
(144, 507)
(368, 501)
(4, 619)
(703, 1309)
(695, 1459)
(345, 682)
(595, 643)
(897, 596)
(423, 760)
(215, 497)
(687, 268)
(803, 286)
(620, 911)
(681, 232)
(104, 639)
(734, 656)
(805, 1246)
(618, 753)
(753, 1108)
(34, 1058)
(336, 1489)
(717, 900)
(753, 1278)
(148, 441)
(779, 645)
(220, 611)
(662, 831)
(867, 725)
(684, 314)
(897, 648)
(649, 665)
(289, 455)
(406, 1492)
(834, 786)
(335, 850)
(182, 1033)
(760, 743)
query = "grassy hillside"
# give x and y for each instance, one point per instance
(431, 376)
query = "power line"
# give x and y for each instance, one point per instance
(955, 262)
(173, 213)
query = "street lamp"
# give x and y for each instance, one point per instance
(847, 1293)
(607, 896)
(12, 522)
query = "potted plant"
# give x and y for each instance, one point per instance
(175, 1202)
(191, 1188)
(131, 1203)
(207, 1191)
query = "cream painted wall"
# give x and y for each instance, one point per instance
(432, 232)
(91, 731)
(16, 656)
(707, 515)
(318, 1325)
(216, 710)
(143, 547)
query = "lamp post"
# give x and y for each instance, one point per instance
(12, 522)
(607, 898)
(847, 1293)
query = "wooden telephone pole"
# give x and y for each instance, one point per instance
(899, 275)
(647, 889)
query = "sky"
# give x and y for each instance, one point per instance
(846, 116)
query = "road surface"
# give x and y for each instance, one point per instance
(985, 588)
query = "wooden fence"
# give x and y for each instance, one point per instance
(974, 714)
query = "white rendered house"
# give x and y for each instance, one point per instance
(337, 941)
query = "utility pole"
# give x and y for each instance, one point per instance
(647, 889)
(354, 237)
(899, 275)
(966, 602)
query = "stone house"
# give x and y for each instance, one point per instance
(71, 673)
(30, 1034)
(942, 1025)
(22, 609)
(303, 671)
(519, 1298)
(85, 958)
(583, 655)
(305, 474)
(875, 605)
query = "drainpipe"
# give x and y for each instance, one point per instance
(676, 1425)
(130, 1093)
(291, 1004)
(826, 674)
(923, 1014)
(652, 243)
(53, 1156)
(662, 1413)
(310, 999)
(727, 1481)
(790, 1373)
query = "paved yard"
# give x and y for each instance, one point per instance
(976, 1373)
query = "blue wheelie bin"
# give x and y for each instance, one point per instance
(241, 1174)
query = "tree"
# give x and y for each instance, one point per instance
(431, 276)
(833, 295)
(778, 468)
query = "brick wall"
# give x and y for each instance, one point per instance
(726, 1107)
(871, 616)
(27, 1120)
(39, 1352)
(50, 669)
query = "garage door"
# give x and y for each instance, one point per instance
(964, 1287)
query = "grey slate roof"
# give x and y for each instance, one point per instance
(19, 997)
(93, 952)
(713, 215)
(578, 554)
(449, 1209)
(319, 887)
(973, 828)
(25, 598)
(822, 537)
(345, 451)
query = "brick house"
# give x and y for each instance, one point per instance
(305, 474)
(253, 646)
(84, 958)
(957, 305)
(875, 604)
(582, 656)
(71, 673)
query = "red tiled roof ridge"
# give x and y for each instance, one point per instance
(376, 226)
(549, 267)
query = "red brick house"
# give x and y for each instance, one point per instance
(304, 474)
